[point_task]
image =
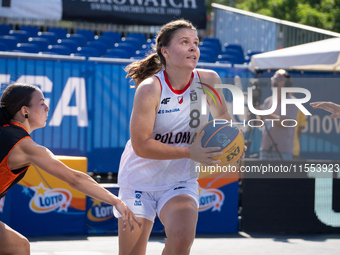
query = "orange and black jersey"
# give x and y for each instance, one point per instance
(10, 135)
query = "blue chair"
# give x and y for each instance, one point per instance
(150, 43)
(89, 34)
(50, 52)
(52, 37)
(130, 48)
(81, 39)
(4, 29)
(135, 41)
(225, 62)
(10, 41)
(234, 52)
(108, 40)
(60, 32)
(208, 51)
(251, 53)
(88, 52)
(42, 43)
(114, 35)
(206, 58)
(77, 54)
(211, 46)
(59, 49)
(21, 35)
(100, 46)
(237, 47)
(116, 53)
(32, 31)
(3, 46)
(140, 54)
(231, 58)
(71, 44)
(213, 40)
(139, 36)
(28, 47)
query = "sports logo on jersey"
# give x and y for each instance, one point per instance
(138, 195)
(169, 111)
(47, 200)
(99, 211)
(209, 93)
(165, 100)
(180, 99)
(210, 199)
(193, 95)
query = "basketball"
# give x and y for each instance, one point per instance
(229, 138)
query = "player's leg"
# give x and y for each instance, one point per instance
(144, 207)
(12, 242)
(179, 217)
(134, 243)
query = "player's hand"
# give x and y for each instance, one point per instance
(127, 216)
(243, 154)
(328, 106)
(203, 155)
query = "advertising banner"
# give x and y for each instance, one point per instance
(41, 204)
(32, 9)
(218, 198)
(125, 12)
(140, 12)
(307, 202)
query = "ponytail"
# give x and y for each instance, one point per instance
(4, 117)
(140, 70)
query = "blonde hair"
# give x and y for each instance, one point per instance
(155, 61)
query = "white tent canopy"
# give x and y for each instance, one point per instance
(316, 56)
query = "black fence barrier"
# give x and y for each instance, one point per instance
(291, 205)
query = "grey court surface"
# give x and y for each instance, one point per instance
(238, 244)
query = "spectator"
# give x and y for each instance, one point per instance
(301, 122)
(277, 141)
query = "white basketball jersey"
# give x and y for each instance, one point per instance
(179, 110)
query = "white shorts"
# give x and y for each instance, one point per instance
(146, 204)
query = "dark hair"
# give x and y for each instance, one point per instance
(155, 61)
(14, 97)
(286, 75)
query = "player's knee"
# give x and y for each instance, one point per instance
(23, 246)
(182, 242)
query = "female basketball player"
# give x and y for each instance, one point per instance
(23, 110)
(154, 175)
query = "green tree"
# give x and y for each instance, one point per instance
(323, 14)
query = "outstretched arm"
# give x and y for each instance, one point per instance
(28, 152)
(328, 106)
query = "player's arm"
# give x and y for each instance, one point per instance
(28, 152)
(218, 110)
(145, 106)
(328, 106)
